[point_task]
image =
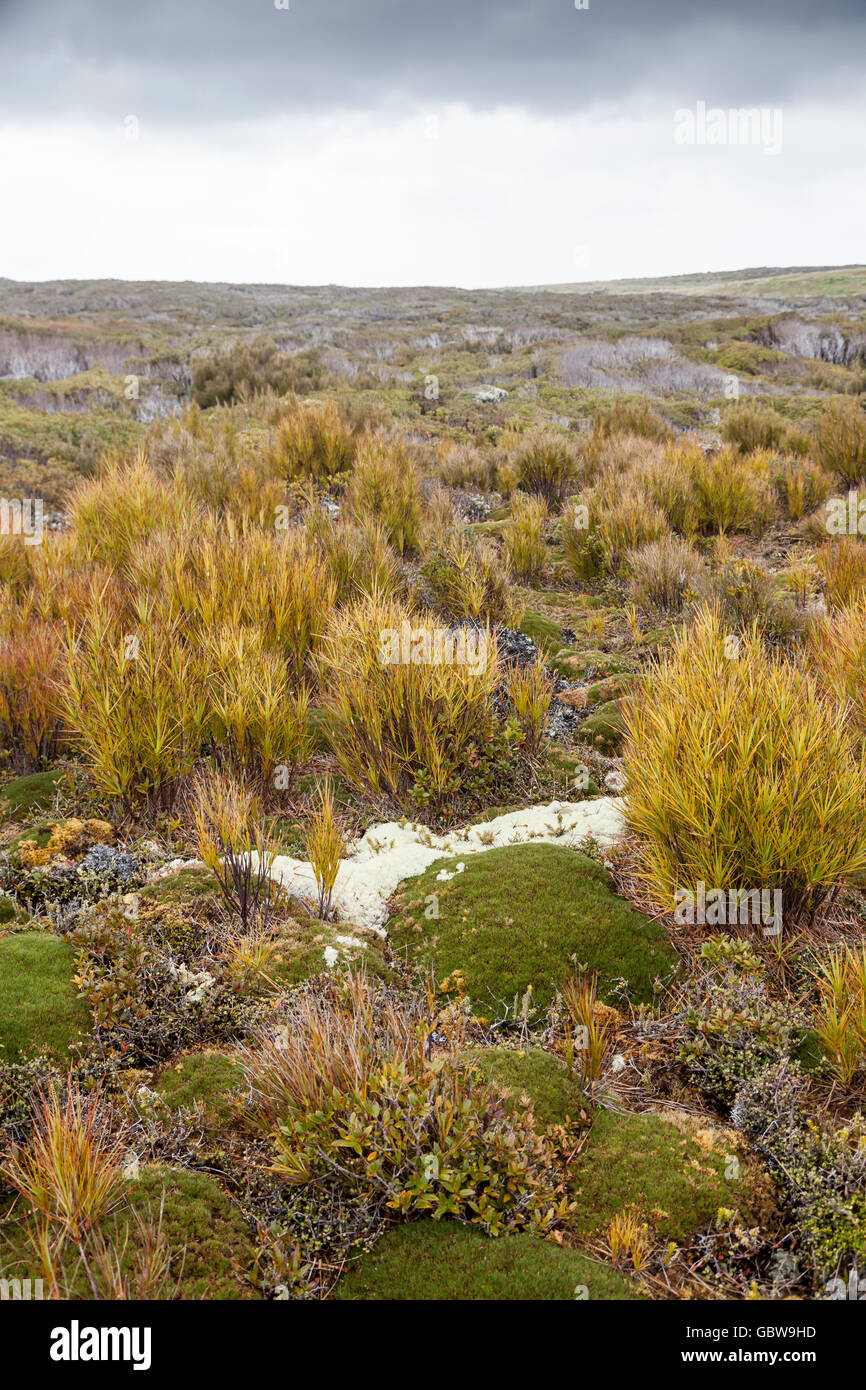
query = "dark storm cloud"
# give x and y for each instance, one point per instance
(204, 59)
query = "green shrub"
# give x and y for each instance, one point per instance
(249, 367)
(821, 1165)
(350, 1092)
(745, 596)
(732, 1027)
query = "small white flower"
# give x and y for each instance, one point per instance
(331, 957)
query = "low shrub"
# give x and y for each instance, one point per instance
(745, 596)
(126, 503)
(350, 1091)
(136, 707)
(252, 366)
(821, 1166)
(732, 1026)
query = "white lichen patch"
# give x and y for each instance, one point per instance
(377, 863)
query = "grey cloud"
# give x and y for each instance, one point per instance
(205, 60)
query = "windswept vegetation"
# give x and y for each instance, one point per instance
(433, 740)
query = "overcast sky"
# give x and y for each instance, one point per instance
(464, 142)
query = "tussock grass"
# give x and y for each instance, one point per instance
(664, 574)
(741, 774)
(523, 537)
(840, 439)
(385, 487)
(546, 465)
(402, 729)
(469, 579)
(842, 565)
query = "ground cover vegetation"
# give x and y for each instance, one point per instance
(317, 599)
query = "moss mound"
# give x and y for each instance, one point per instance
(532, 1078)
(604, 729)
(40, 1011)
(195, 881)
(522, 915)
(210, 1080)
(211, 1249)
(211, 1246)
(444, 1260)
(672, 1169)
(20, 798)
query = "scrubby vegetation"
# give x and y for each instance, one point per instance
(432, 852)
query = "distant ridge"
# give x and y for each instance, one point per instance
(775, 281)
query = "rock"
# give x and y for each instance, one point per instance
(489, 395)
(174, 866)
(471, 506)
(616, 781)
